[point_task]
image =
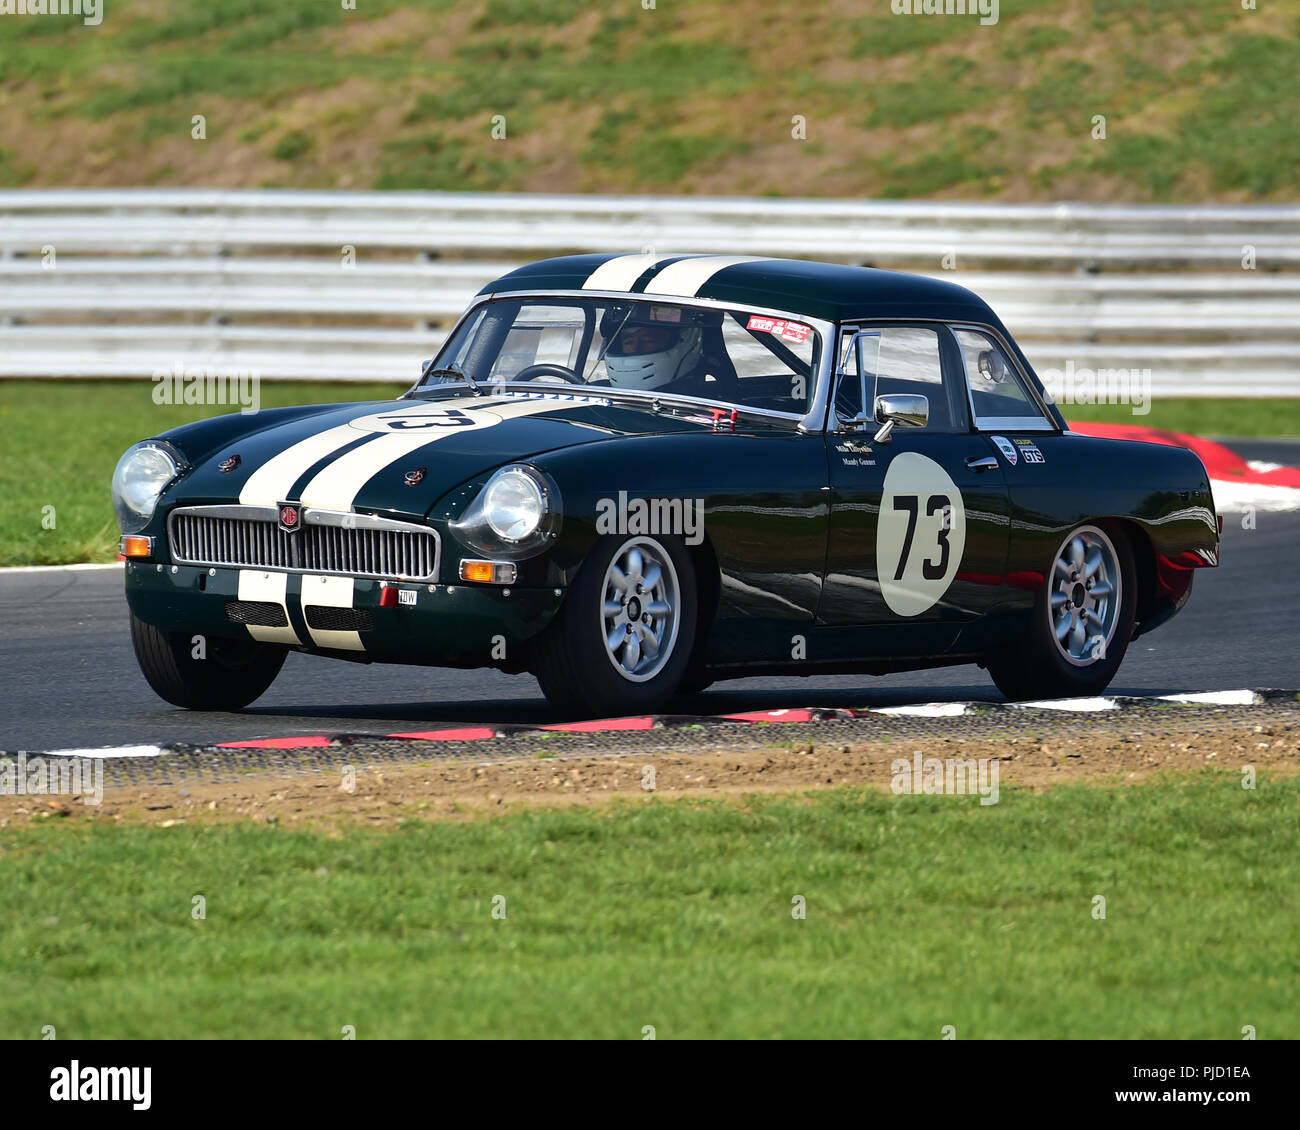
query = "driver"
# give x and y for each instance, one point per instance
(657, 357)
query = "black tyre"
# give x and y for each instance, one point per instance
(622, 641)
(1081, 624)
(231, 675)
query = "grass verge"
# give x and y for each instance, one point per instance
(63, 439)
(1202, 416)
(921, 912)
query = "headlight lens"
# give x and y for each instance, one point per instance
(513, 506)
(516, 514)
(140, 478)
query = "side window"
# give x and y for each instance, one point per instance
(895, 359)
(996, 389)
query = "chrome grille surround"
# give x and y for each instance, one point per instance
(331, 542)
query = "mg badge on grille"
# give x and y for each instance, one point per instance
(290, 517)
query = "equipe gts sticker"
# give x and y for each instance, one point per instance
(921, 534)
(1007, 448)
(796, 332)
(1029, 449)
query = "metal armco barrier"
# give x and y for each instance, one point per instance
(355, 285)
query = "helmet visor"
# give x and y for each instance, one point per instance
(638, 339)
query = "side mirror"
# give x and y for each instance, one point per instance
(901, 410)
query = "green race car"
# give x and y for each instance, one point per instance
(634, 475)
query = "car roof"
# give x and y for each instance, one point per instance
(831, 291)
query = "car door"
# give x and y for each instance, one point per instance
(1048, 487)
(918, 533)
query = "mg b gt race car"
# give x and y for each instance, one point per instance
(634, 475)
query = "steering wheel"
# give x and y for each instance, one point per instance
(548, 368)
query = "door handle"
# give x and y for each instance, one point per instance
(982, 463)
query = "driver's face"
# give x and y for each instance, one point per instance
(636, 340)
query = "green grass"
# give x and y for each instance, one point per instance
(921, 912)
(1199, 96)
(63, 439)
(1203, 416)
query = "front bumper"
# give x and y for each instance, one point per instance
(462, 625)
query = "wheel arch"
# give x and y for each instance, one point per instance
(1144, 561)
(708, 592)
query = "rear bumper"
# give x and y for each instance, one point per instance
(1165, 608)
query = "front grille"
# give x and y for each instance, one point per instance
(261, 613)
(326, 619)
(353, 545)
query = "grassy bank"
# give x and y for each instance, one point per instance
(921, 912)
(739, 97)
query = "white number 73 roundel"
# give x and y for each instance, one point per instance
(921, 534)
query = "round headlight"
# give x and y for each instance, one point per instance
(513, 506)
(138, 481)
(516, 514)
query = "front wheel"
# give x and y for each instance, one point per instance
(201, 673)
(1081, 624)
(622, 641)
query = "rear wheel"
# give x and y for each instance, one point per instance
(622, 641)
(1081, 624)
(218, 674)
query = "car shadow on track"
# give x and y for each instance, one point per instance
(534, 711)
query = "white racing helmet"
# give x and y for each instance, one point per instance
(651, 355)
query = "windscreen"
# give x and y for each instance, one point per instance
(730, 356)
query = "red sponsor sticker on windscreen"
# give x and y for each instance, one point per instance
(795, 332)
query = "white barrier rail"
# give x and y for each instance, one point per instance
(121, 283)
(197, 219)
(1034, 304)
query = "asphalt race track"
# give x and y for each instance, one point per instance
(68, 678)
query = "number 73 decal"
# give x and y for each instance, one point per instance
(921, 534)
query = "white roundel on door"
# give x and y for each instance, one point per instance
(921, 534)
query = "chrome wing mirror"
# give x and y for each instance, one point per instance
(900, 410)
